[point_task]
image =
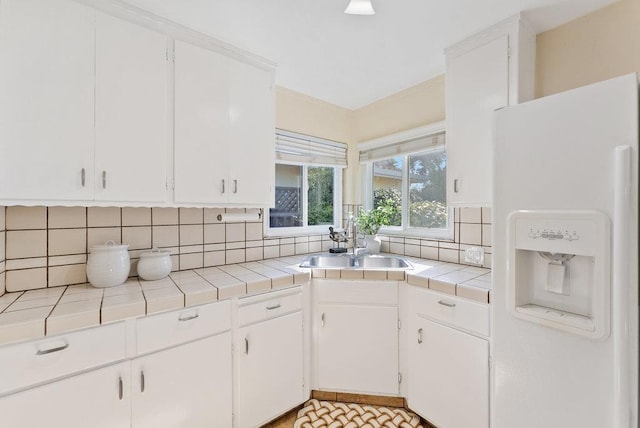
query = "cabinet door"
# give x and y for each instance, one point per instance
(131, 112)
(270, 369)
(201, 125)
(477, 84)
(98, 398)
(358, 348)
(448, 375)
(185, 386)
(46, 100)
(252, 121)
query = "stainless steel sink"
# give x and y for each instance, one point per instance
(381, 262)
(346, 261)
(328, 261)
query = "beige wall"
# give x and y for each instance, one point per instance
(297, 112)
(419, 105)
(599, 46)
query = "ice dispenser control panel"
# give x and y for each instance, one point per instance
(559, 270)
(567, 235)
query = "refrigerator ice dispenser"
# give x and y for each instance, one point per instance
(559, 270)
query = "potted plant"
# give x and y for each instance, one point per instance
(369, 223)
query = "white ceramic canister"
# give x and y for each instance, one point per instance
(154, 264)
(108, 264)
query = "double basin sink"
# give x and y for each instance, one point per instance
(363, 261)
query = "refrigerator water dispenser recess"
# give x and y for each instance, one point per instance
(559, 270)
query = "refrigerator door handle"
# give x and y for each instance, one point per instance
(620, 283)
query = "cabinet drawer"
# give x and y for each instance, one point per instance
(57, 356)
(172, 328)
(358, 292)
(270, 305)
(457, 312)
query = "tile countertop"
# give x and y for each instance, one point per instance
(49, 311)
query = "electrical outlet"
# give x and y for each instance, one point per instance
(474, 255)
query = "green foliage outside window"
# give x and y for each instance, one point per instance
(320, 195)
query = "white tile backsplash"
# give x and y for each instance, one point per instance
(57, 240)
(103, 217)
(18, 218)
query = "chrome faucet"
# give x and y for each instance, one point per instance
(352, 232)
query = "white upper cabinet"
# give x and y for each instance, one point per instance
(488, 71)
(87, 114)
(201, 125)
(46, 100)
(252, 149)
(131, 112)
(224, 129)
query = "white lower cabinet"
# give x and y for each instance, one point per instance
(98, 398)
(185, 386)
(270, 358)
(358, 349)
(357, 336)
(448, 369)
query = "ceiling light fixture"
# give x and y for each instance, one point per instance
(360, 7)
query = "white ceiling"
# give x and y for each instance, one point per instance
(353, 60)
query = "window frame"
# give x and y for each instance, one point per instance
(367, 179)
(306, 229)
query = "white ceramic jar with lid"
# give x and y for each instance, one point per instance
(155, 264)
(108, 264)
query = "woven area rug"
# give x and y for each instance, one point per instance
(329, 414)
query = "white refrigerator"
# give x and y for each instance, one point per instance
(564, 342)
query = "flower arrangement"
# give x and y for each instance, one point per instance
(369, 222)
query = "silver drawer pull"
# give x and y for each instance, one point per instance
(52, 350)
(447, 304)
(270, 308)
(188, 318)
(419, 335)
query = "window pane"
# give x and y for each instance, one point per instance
(320, 195)
(288, 209)
(387, 186)
(427, 189)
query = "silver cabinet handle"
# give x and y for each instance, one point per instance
(120, 388)
(83, 176)
(222, 186)
(447, 304)
(104, 179)
(235, 186)
(141, 381)
(246, 345)
(322, 320)
(188, 318)
(455, 185)
(419, 335)
(270, 308)
(52, 350)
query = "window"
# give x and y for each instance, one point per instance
(308, 188)
(410, 176)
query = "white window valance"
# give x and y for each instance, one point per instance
(299, 148)
(403, 143)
